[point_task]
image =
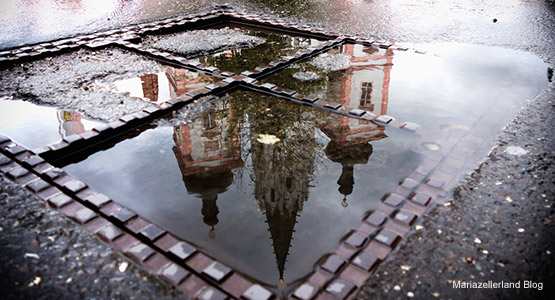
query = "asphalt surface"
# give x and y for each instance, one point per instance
(44, 255)
(499, 225)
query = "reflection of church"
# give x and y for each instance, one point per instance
(364, 85)
(207, 150)
(283, 172)
(206, 154)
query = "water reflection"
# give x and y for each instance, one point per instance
(281, 168)
(35, 126)
(361, 82)
(160, 87)
(238, 59)
(206, 154)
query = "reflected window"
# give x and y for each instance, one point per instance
(366, 96)
(210, 120)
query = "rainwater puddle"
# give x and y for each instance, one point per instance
(34, 126)
(455, 90)
(263, 185)
(236, 59)
(163, 86)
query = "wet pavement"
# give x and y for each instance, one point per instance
(486, 185)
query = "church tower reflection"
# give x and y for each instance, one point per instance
(283, 167)
(206, 154)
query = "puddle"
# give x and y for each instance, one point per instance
(162, 86)
(34, 126)
(237, 60)
(265, 186)
(456, 90)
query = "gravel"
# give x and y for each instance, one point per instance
(332, 62)
(203, 42)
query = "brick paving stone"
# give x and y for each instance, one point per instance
(376, 219)
(192, 285)
(38, 185)
(414, 208)
(333, 263)
(54, 173)
(394, 200)
(365, 260)
(156, 263)
(333, 105)
(305, 292)
(33, 160)
(182, 250)
(4, 139)
(366, 228)
(386, 237)
(18, 172)
(110, 232)
(174, 273)
(110, 208)
(356, 239)
(211, 293)
(256, 292)
(72, 138)
(124, 242)
(354, 275)
(16, 149)
(47, 193)
(84, 215)
(340, 288)
(397, 227)
(409, 183)
(384, 119)
(405, 217)
(217, 271)
(24, 180)
(97, 199)
(75, 185)
(123, 215)
(4, 160)
(84, 193)
(236, 285)
(152, 232)
(377, 249)
(95, 225)
(166, 241)
(357, 112)
(421, 199)
(199, 262)
(385, 209)
(137, 224)
(436, 183)
(59, 200)
(140, 251)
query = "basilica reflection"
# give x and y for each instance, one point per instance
(276, 143)
(206, 154)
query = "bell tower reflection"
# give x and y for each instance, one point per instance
(207, 153)
(348, 157)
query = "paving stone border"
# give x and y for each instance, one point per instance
(178, 262)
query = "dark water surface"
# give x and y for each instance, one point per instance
(269, 186)
(254, 181)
